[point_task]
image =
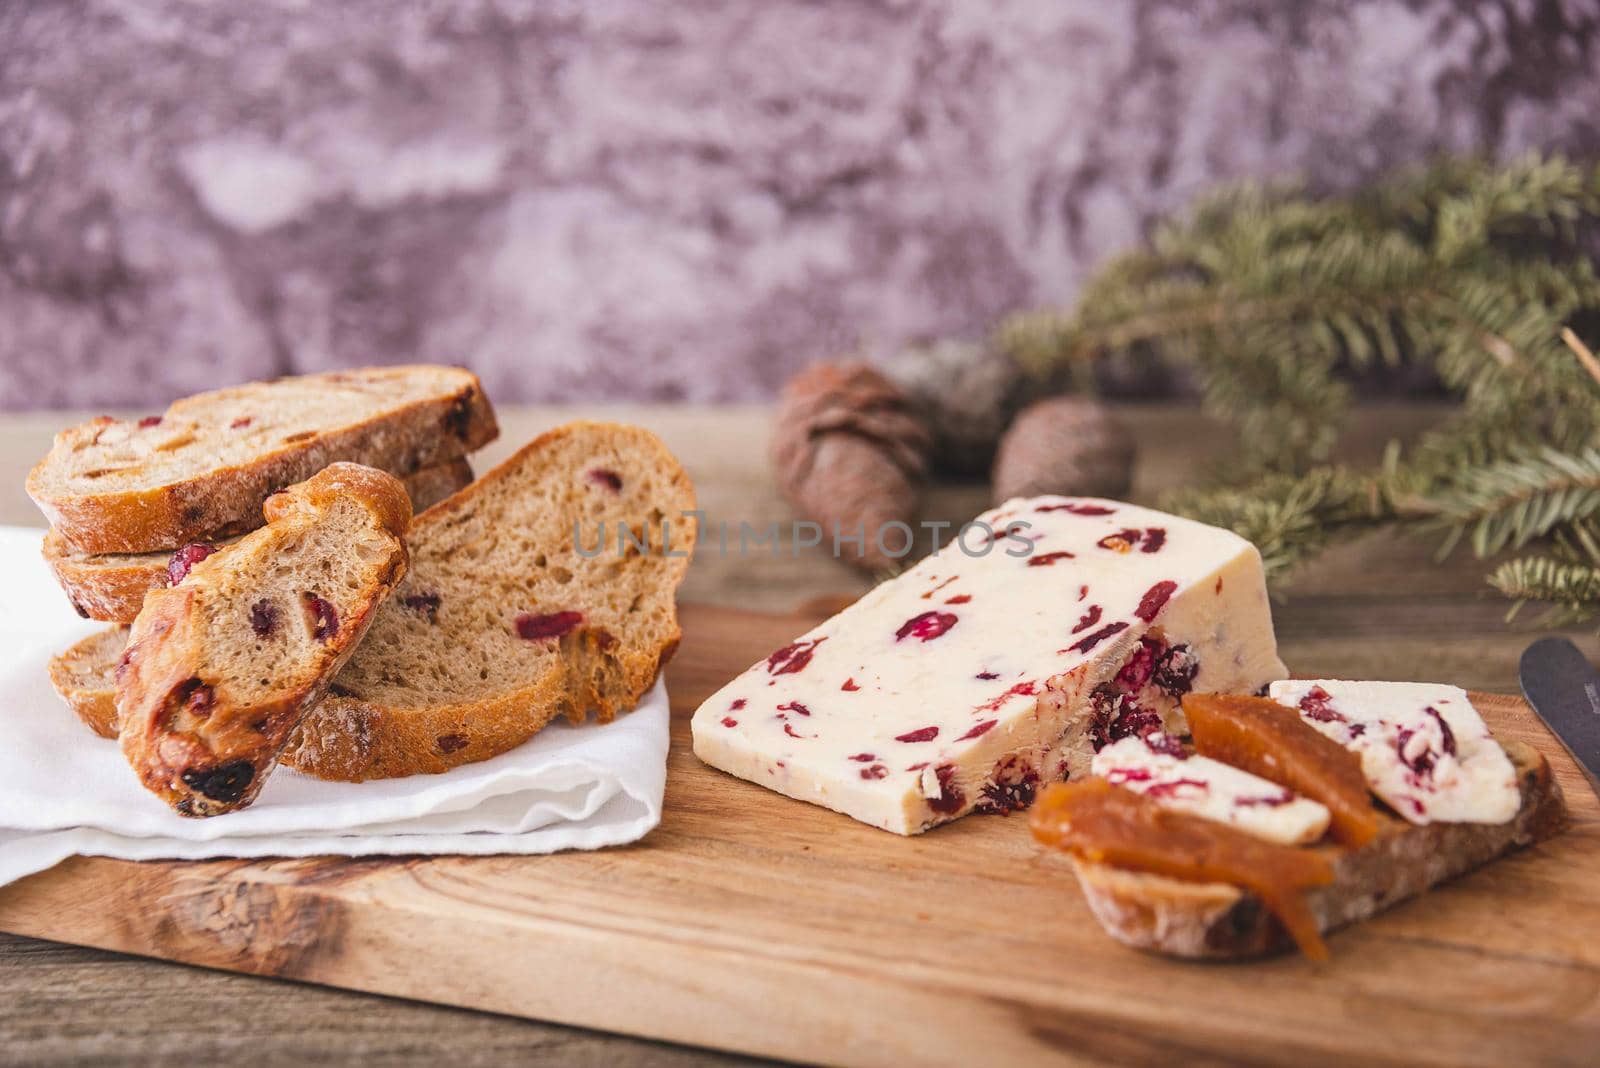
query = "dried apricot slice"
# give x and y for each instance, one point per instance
(1105, 824)
(1260, 736)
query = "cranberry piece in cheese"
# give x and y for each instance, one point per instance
(1212, 789)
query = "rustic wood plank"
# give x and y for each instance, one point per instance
(760, 924)
(66, 1005)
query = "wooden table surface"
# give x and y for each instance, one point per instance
(1377, 609)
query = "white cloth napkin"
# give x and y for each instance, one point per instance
(65, 791)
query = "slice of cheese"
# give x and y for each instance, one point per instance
(1158, 767)
(999, 663)
(1424, 749)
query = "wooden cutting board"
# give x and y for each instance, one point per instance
(751, 922)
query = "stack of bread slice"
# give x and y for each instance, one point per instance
(339, 636)
(123, 496)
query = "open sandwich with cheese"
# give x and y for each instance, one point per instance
(1081, 653)
(1291, 815)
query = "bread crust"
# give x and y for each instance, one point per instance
(1218, 921)
(83, 676)
(227, 499)
(110, 587)
(348, 739)
(436, 482)
(382, 493)
(197, 735)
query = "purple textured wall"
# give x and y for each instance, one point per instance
(685, 200)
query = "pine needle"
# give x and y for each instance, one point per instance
(1572, 591)
(1289, 518)
(1581, 350)
(1509, 503)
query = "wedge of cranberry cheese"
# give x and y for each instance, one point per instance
(1424, 749)
(1052, 627)
(1158, 767)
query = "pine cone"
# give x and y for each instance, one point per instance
(849, 452)
(1066, 445)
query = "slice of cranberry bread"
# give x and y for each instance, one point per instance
(85, 677)
(111, 586)
(221, 667)
(520, 606)
(201, 470)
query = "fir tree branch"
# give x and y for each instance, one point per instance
(1571, 590)
(1268, 291)
(1290, 518)
(1271, 294)
(1510, 503)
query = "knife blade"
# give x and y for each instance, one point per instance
(1564, 690)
